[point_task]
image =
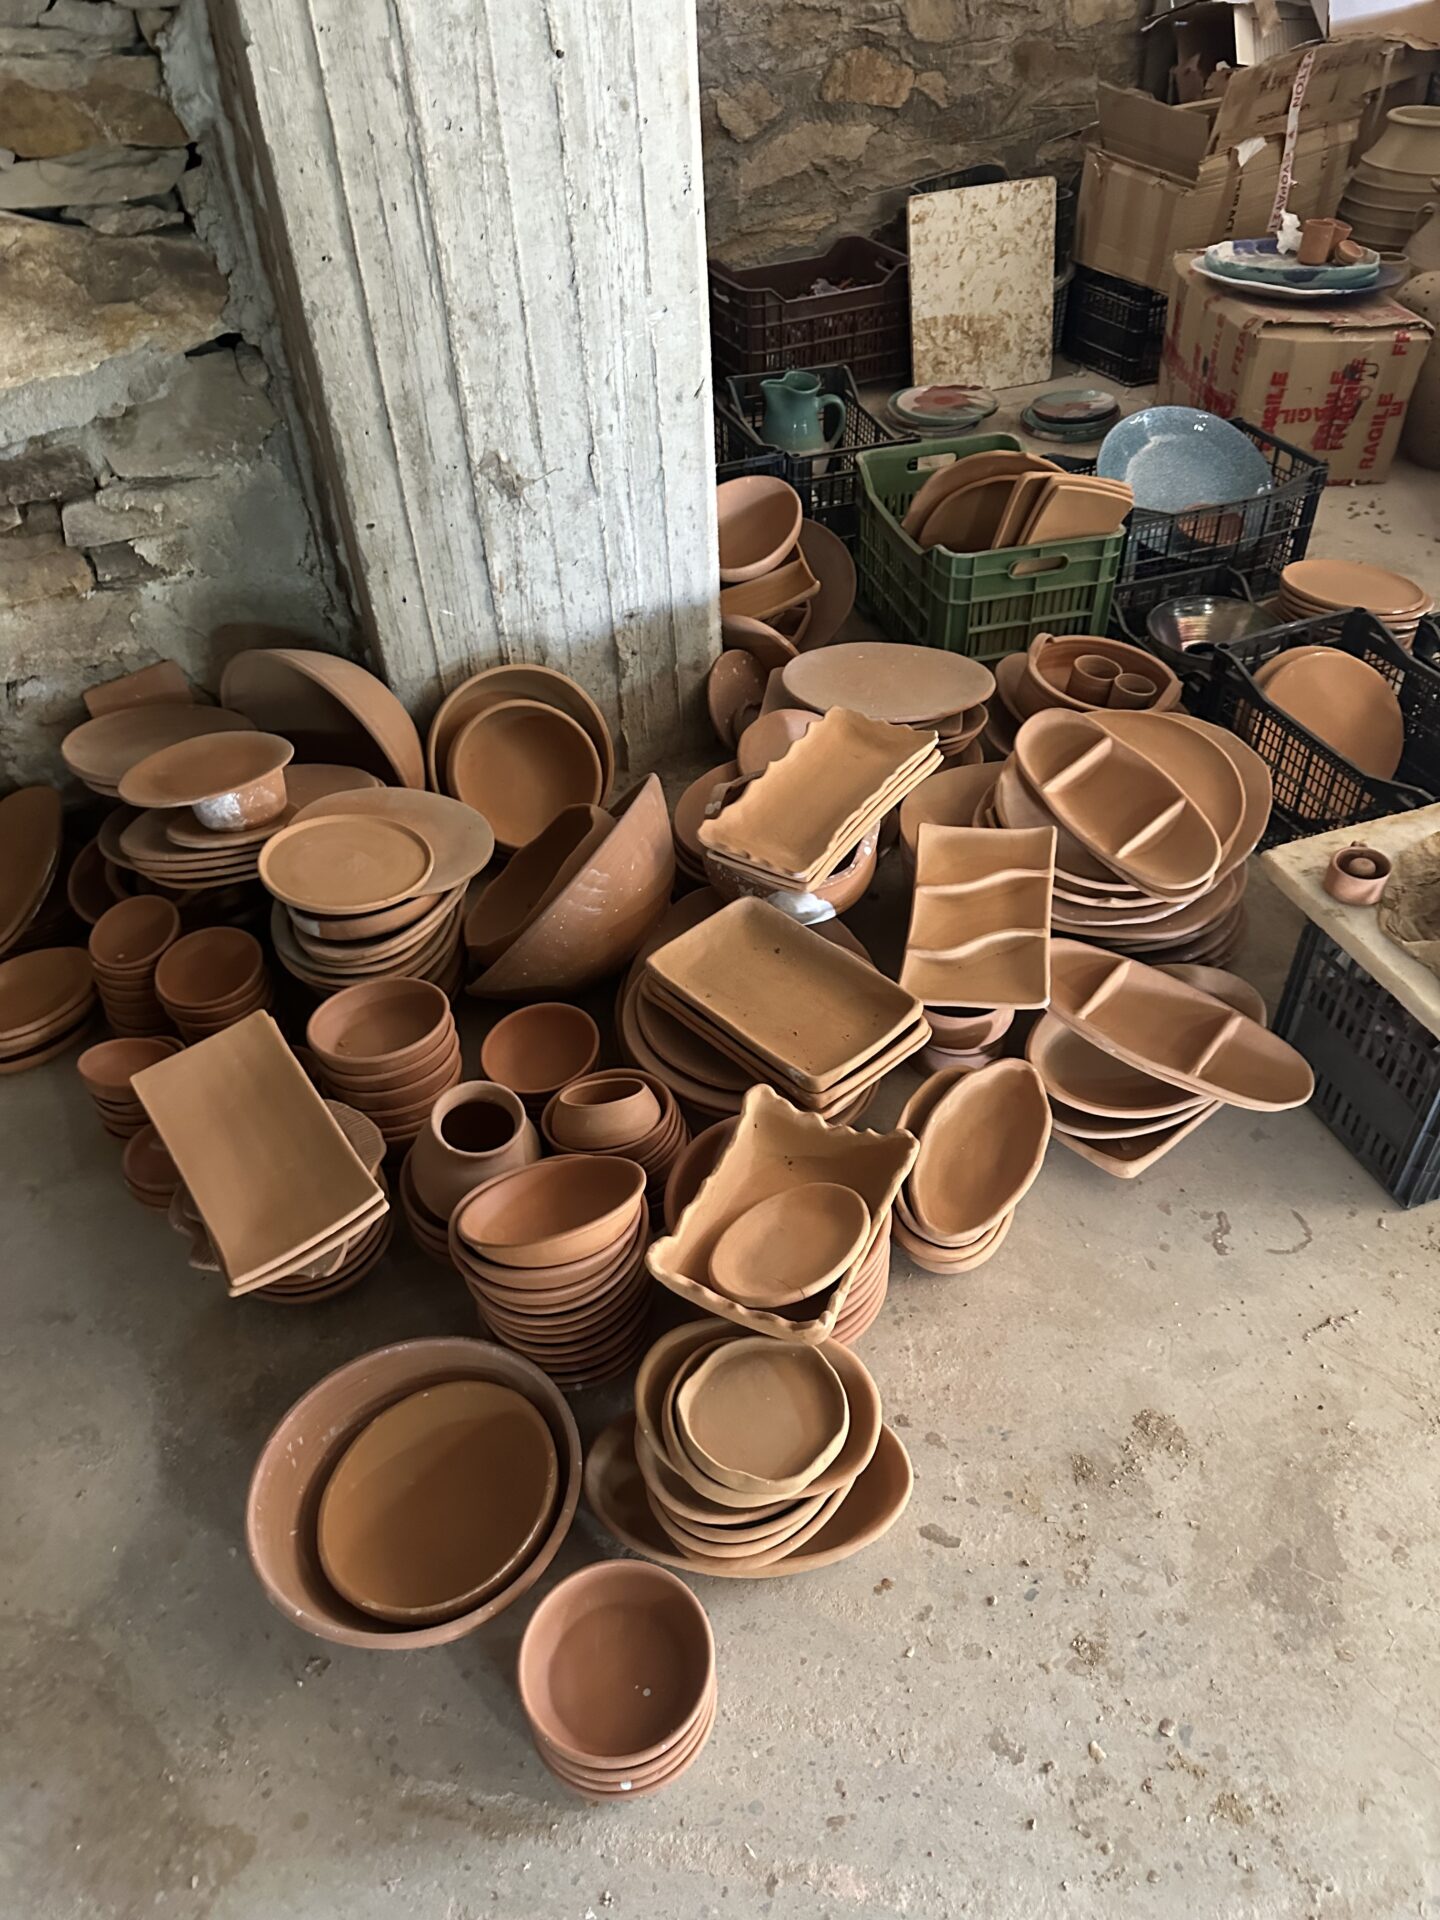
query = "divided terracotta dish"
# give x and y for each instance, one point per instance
(592, 913)
(332, 709)
(238, 1115)
(210, 979)
(554, 1257)
(519, 763)
(774, 1148)
(474, 1133)
(31, 830)
(101, 752)
(617, 1679)
(626, 1113)
(494, 685)
(538, 1048)
(388, 1048)
(980, 918)
(644, 1485)
(1008, 498)
(982, 1137)
(297, 1461)
(47, 998)
(1042, 677)
(231, 784)
(106, 1069)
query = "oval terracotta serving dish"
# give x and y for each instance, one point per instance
(981, 1146)
(790, 1246)
(391, 1020)
(553, 1212)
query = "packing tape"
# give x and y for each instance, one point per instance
(1292, 134)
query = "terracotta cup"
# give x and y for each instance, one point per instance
(475, 1132)
(1133, 690)
(1091, 678)
(1357, 876)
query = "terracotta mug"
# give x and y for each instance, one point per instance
(1091, 678)
(1357, 875)
(475, 1132)
(1133, 690)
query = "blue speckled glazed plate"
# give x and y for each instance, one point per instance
(1261, 261)
(1179, 457)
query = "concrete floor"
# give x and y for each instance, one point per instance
(1156, 1635)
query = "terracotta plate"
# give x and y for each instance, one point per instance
(340, 864)
(103, 751)
(30, 830)
(460, 837)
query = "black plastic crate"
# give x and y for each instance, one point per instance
(737, 451)
(1315, 787)
(764, 319)
(824, 481)
(1377, 1069)
(1114, 327)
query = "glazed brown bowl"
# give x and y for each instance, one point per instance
(296, 1462)
(204, 971)
(130, 937)
(394, 1021)
(553, 1212)
(539, 1049)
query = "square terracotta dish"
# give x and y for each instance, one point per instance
(980, 921)
(776, 988)
(263, 1158)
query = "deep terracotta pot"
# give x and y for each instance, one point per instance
(475, 1132)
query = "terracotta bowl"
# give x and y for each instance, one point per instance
(758, 521)
(387, 1079)
(394, 1020)
(421, 1092)
(537, 1050)
(476, 1131)
(694, 1167)
(296, 1462)
(528, 881)
(967, 1029)
(559, 1281)
(519, 764)
(553, 1212)
(106, 1068)
(206, 969)
(130, 937)
(601, 1112)
(616, 1664)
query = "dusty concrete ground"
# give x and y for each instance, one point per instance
(1156, 1636)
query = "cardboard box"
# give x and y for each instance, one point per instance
(1332, 380)
(1162, 179)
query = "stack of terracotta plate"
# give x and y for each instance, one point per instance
(920, 687)
(574, 904)
(388, 1048)
(1313, 588)
(627, 1114)
(1152, 831)
(1135, 1058)
(106, 1069)
(332, 1272)
(127, 943)
(269, 1171)
(748, 1458)
(150, 1174)
(787, 1231)
(520, 744)
(102, 751)
(47, 998)
(803, 816)
(785, 1007)
(481, 1457)
(554, 1257)
(617, 1679)
(690, 810)
(1343, 701)
(31, 831)
(1078, 671)
(210, 979)
(982, 1138)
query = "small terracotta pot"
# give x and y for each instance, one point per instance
(966, 1029)
(475, 1132)
(211, 969)
(1357, 876)
(1134, 691)
(130, 937)
(538, 1049)
(1318, 240)
(602, 1112)
(1091, 678)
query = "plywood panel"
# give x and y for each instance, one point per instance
(982, 283)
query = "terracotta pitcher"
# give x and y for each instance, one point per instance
(796, 411)
(475, 1132)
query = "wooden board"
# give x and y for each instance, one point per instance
(982, 271)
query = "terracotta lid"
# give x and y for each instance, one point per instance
(790, 1246)
(189, 771)
(388, 1529)
(102, 752)
(885, 680)
(346, 863)
(31, 824)
(460, 838)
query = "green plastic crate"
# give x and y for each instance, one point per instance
(982, 604)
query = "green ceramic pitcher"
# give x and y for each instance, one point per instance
(796, 411)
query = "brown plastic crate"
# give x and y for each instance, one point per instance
(766, 318)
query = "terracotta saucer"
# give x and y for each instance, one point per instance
(232, 784)
(494, 684)
(101, 752)
(341, 864)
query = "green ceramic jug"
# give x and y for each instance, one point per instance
(795, 413)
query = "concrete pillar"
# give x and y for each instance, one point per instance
(486, 224)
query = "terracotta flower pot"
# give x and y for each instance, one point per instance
(1357, 876)
(475, 1132)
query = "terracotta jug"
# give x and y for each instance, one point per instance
(475, 1132)
(795, 413)
(1420, 438)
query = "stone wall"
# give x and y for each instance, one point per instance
(816, 111)
(151, 489)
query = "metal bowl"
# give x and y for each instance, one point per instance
(1176, 627)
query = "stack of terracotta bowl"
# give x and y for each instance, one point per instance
(748, 1458)
(322, 1277)
(965, 1038)
(388, 1048)
(414, 1578)
(1078, 671)
(628, 1114)
(47, 997)
(575, 903)
(1394, 186)
(206, 981)
(554, 1257)
(807, 821)
(1310, 589)
(106, 1069)
(920, 687)
(126, 944)
(1152, 840)
(1135, 1058)
(150, 1173)
(31, 837)
(474, 1133)
(538, 1049)
(983, 1137)
(617, 1679)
